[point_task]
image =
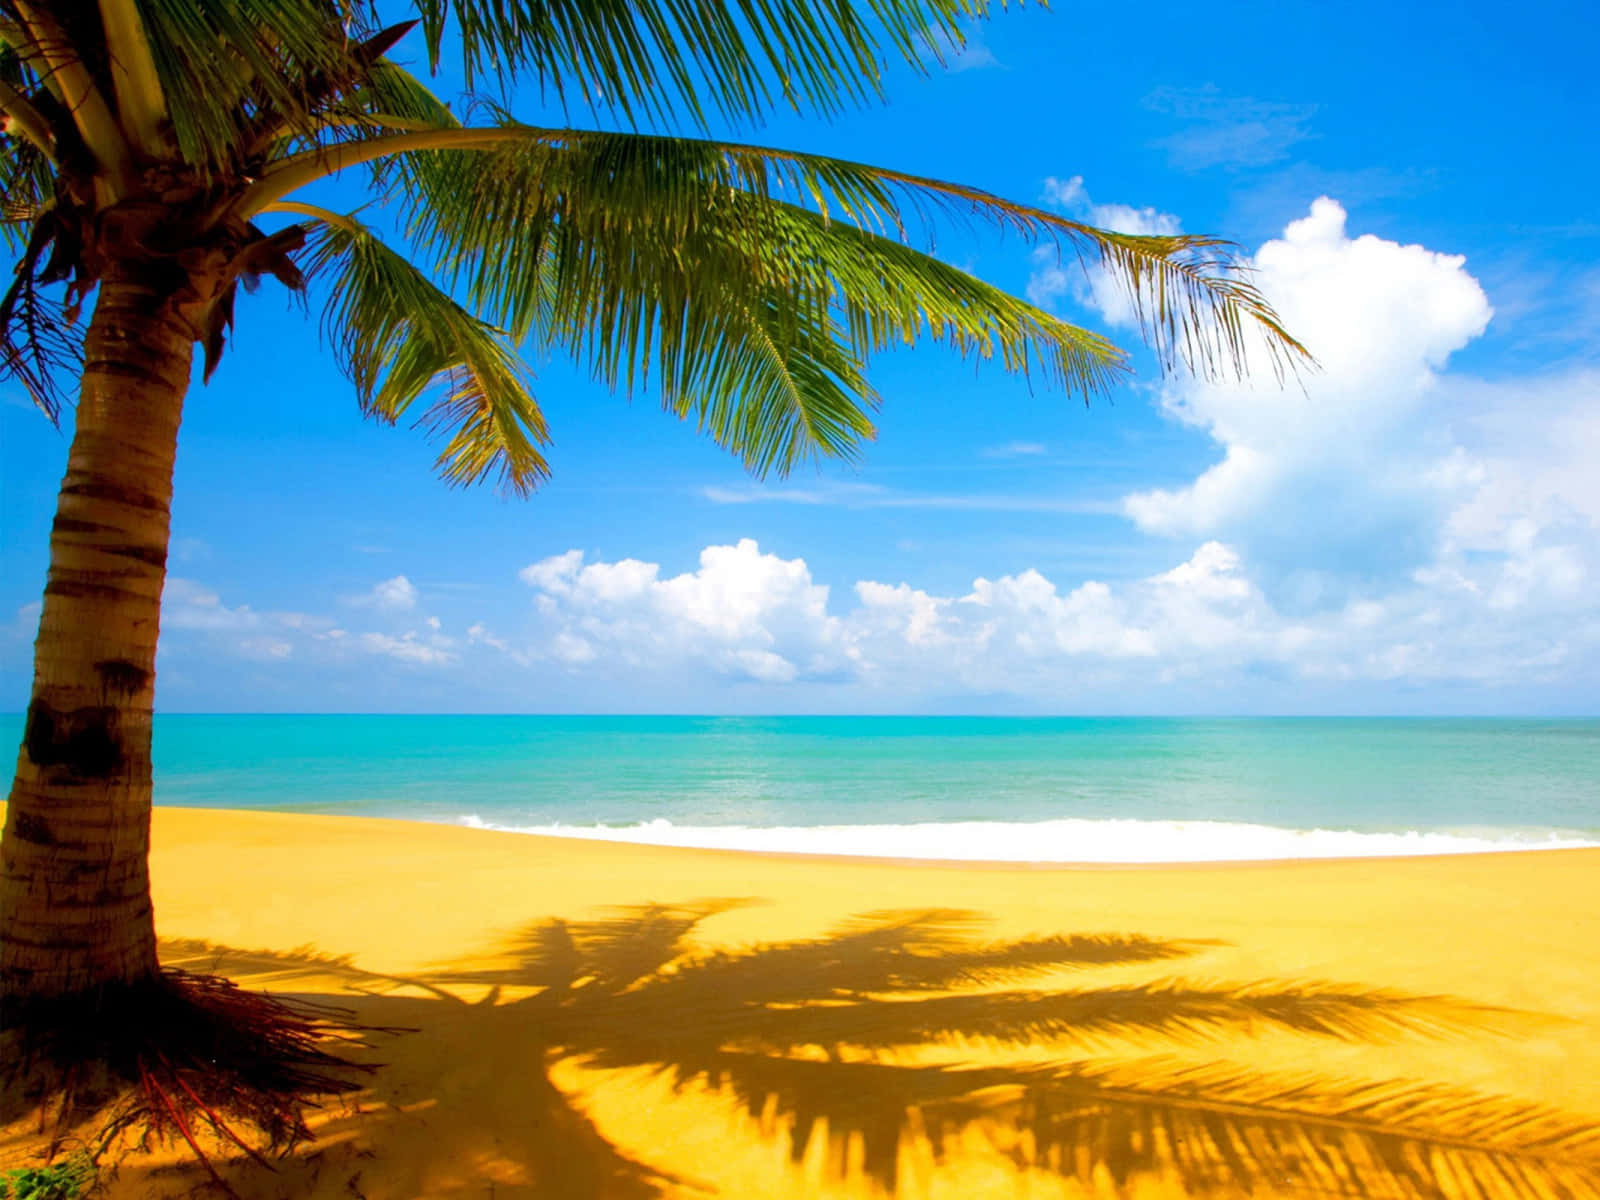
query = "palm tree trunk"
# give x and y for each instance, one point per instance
(75, 912)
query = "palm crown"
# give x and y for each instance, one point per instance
(752, 283)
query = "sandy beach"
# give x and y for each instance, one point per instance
(607, 1020)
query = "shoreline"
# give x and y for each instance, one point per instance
(615, 835)
(829, 996)
(1183, 827)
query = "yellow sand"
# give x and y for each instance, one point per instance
(513, 1087)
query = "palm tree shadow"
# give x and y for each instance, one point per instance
(825, 1040)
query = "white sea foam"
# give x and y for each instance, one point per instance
(1066, 841)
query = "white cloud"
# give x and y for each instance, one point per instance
(410, 647)
(743, 614)
(478, 634)
(1505, 603)
(1071, 196)
(1528, 449)
(194, 615)
(1405, 522)
(1206, 622)
(1354, 472)
(186, 604)
(397, 595)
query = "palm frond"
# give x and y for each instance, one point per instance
(608, 194)
(20, 118)
(666, 58)
(229, 72)
(400, 337)
(27, 188)
(39, 347)
(755, 284)
(136, 84)
(389, 88)
(62, 47)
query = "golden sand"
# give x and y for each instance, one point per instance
(606, 1020)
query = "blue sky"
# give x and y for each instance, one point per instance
(1415, 530)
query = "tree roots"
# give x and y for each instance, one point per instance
(180, 1055)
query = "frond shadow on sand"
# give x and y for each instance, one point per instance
(818, 1040)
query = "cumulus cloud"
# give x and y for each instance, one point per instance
(1404, 521)
(1353, 472)
(629, 632)
(744, 614)
(1206, 621)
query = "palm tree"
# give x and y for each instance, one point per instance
(155, 154)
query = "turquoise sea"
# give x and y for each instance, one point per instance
(1070, 789)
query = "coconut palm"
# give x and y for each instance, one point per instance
(157, 154)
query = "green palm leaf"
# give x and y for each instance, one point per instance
(737, 215)
(27, 187)
(399, 337)
(219, 65)
(680, 58)
(755, 284)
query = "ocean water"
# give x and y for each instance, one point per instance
(1014, 789)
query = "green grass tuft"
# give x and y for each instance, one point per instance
(59, 1181)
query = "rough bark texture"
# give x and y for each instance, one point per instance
(75, 912)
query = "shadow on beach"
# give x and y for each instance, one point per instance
(845, 1053)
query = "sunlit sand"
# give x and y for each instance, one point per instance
(595, 1019)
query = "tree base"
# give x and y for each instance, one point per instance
(180, 1055)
